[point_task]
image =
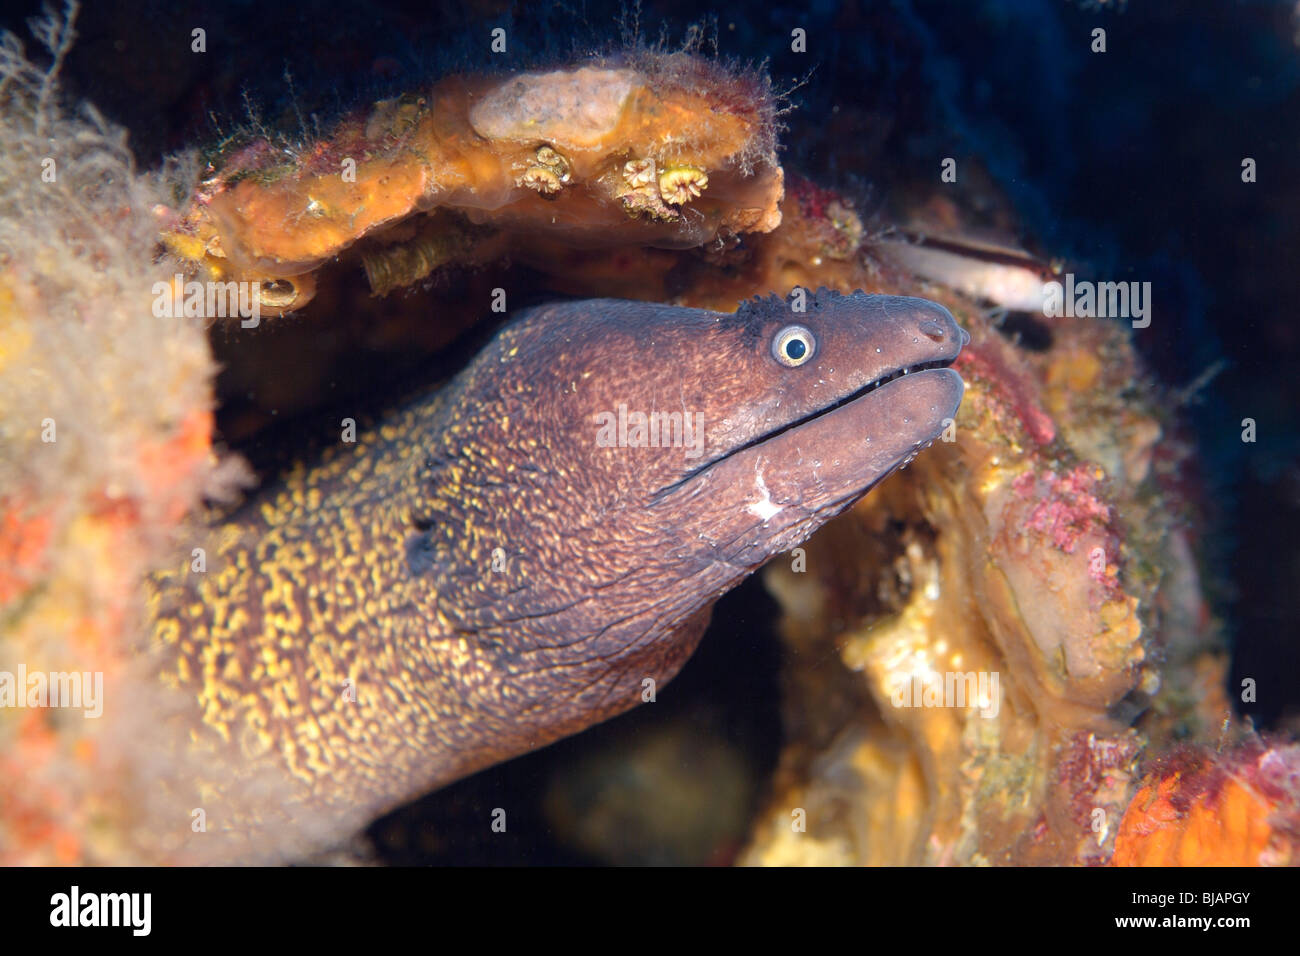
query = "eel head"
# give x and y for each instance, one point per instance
(605, 470)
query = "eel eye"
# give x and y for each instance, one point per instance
(793, 346)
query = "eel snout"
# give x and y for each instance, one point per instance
(875, 390)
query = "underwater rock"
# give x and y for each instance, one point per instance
(1201, 807)
(106, 424)
(667, 150)
(675, 794)
(970, 646)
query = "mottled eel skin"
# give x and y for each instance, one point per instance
(373, 568)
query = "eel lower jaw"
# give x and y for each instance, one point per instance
(771, 495)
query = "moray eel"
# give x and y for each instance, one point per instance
(512, 558)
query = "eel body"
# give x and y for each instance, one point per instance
(525, 552)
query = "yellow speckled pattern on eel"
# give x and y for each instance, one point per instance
(509, 559)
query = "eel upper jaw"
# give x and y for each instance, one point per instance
(825, 410)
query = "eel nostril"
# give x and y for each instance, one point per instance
(931, 330)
